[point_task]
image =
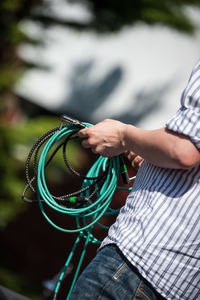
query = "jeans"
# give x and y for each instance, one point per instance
(110, 276)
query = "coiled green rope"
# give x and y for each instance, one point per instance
(102, 176)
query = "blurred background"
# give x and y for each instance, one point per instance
(91, 59)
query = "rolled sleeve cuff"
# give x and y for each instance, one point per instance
(186, 121)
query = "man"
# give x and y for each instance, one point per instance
(153, 249)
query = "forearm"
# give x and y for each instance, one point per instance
(161, 147)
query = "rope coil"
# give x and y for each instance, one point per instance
(89, 204)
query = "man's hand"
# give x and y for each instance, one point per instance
(135, 159)
(106, 138)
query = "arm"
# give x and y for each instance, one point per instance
(163, 148)
(160, 147)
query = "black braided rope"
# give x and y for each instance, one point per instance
(34, 152)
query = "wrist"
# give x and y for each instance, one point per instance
(130, 136)
(125, 140)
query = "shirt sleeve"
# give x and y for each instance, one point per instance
(187, 119)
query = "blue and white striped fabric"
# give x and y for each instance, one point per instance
(158, 229)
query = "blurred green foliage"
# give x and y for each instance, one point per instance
(11, 36)
(110, 16)
(114, 14)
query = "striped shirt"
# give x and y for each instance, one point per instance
(158, 229)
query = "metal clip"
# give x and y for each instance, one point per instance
(72, 121)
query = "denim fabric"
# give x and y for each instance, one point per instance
(110, 276)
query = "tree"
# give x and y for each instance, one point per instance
(110, 16)
(11, 13)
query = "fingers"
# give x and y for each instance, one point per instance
(83, 133)
(135, 159)
(87, 141)
(136, 163)
(85, 144)
(131, 155)
(104, 138)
